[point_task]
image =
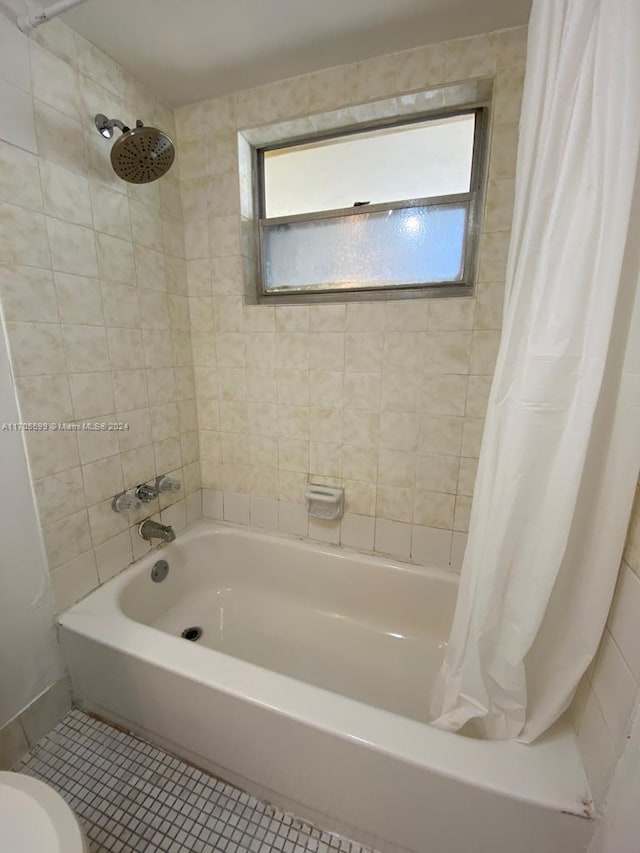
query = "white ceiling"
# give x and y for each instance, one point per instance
(187, 50)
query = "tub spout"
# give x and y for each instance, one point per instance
(152, 530)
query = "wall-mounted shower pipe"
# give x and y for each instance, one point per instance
(28, 23)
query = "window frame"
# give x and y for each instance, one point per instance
(474, 198)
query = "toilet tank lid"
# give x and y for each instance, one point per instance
(35, 817)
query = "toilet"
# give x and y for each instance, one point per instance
(35, 819)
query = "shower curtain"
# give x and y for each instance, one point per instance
(561, 449)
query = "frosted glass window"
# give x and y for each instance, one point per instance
(405, 246)
(422, 160)
(378, 213)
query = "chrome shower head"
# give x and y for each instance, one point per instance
(141, 155)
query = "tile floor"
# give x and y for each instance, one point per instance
(132, 797)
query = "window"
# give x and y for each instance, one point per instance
(379, 212)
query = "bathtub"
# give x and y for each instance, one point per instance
(309, 686)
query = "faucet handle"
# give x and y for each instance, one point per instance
(165, 483)
(126, 502)
(146, 493)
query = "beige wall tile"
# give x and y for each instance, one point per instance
(120, 304)
(19, 177)
(447, 352)
(431, 546)
(401, 391)
(85, 348)
(421, 67)
(113, 556)
(98, 444)
(462, 513)
(67, 538)
(489, 305)
(437, 473)
(325, 459)
(36, 348)
(396, 468)
(116, 261)
(404, 351)
(73, 248)
(399, 431)
(51, 452)
(499, 205)
(393, 538)
(292, 387)
(478, 389)
(442, 395)
(440, 435)
(65, 194)
(394, 503)
(102, 479)
(363, 351)
(361, 464)
(434, 509)
(472, 436)
(110, 211)
(125, 349)
(360, 498)
(79, 299)
(508, 95)
(361, 428)
(44, 398)
(73, 580)
(467, 476)
(27, 294)
(59, 495)
(327, 318)
(54, 82)
(60, 138)
(451, 315)
(362, 391)
(23, 237)
(484, 351)
(105, 523)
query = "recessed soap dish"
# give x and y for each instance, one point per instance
(325, 501)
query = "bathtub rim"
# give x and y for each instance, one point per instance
(548, 773)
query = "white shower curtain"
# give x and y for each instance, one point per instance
(561, 449)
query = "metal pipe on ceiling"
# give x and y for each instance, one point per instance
(28, 23)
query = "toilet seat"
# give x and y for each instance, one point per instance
(34, 817)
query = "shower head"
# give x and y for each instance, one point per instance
(141, 154)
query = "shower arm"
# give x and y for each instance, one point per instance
(28, 23)
(105, 125)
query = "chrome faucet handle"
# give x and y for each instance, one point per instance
(125, 502)
(146, 493)
(165, 483)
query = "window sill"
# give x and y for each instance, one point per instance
(362, 294)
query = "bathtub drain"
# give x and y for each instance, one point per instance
(194, 633)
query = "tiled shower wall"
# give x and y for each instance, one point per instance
(94, 300)
(385, 398)
(610, 692)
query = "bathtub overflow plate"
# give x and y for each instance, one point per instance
(159, 571)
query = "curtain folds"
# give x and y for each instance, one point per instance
(561, 449)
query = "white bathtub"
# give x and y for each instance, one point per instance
(309, 686)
